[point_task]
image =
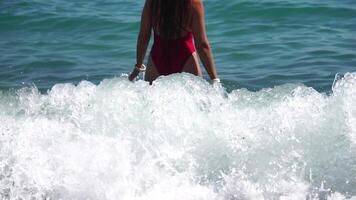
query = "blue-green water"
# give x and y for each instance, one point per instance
(280, 127)
(256, 44)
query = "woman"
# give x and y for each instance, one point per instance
(175, 24)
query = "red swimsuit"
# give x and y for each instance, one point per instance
(170, 55)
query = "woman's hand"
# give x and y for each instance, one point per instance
(134, 74)
(137, 69)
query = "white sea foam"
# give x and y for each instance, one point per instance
(180, 138)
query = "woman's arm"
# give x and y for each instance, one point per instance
(201, 39)
(143, 38)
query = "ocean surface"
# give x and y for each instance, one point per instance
(282, 125)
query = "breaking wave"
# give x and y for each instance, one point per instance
(180, 138)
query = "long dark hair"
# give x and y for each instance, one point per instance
(170, 17)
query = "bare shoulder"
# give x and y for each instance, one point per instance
(197, 5)
(197, 2)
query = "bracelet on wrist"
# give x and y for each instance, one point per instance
(140, 67)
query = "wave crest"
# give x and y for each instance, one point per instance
(180, 138)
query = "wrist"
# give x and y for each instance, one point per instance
(140, 67)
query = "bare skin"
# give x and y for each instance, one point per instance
(192, 66)
(197, 27)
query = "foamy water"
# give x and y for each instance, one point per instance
(180, 138)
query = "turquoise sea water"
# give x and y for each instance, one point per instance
(281, 126)
(256, 44)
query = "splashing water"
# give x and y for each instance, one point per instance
(179, 138)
